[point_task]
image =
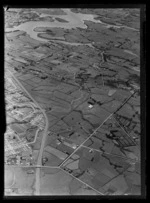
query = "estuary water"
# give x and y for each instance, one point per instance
(75, 20)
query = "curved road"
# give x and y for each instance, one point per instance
(39, 161)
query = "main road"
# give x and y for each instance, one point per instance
(39, 161)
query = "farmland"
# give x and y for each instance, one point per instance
(72, 92)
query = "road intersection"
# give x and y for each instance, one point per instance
(38, 166)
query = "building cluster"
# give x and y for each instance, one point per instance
(19, 118)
